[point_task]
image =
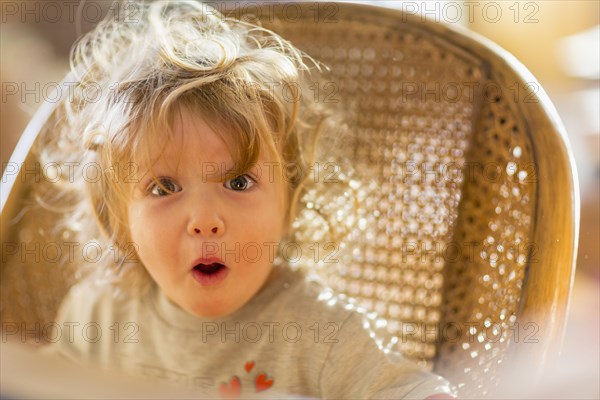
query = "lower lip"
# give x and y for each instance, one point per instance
(212, 279)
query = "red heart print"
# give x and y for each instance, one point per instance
(249, 365)
(231, 390)
(262, 383)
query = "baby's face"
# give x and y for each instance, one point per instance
(208, 244)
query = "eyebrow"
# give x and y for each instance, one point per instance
(210, 169)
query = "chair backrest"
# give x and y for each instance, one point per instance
(465, 240)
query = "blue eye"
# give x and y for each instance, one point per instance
(240, 183)
(163, 187)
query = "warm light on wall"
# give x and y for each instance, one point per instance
(531, 30)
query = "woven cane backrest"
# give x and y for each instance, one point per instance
(443, 250)
(392, 260)
(439, 248)
(39, 262)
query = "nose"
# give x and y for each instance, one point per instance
(210, 226)
(205, 221)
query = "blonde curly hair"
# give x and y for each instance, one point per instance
(236, 75)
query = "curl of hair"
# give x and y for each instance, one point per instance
(131, 79)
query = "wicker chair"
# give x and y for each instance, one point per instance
(467, 239)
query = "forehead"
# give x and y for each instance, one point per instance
(190, 141)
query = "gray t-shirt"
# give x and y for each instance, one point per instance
(292, 339)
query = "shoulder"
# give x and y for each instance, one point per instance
(364, 363)
(87, 316)
(362, 358)
(92, 299)
(103, 294)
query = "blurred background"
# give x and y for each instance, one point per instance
(558, 40)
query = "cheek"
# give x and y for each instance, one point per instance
(280, 198)
(142, 230)
(275, 225)
(286, 207)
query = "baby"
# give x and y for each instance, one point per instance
(194, 129)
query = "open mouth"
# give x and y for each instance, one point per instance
(210, 274)
(209, 269)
